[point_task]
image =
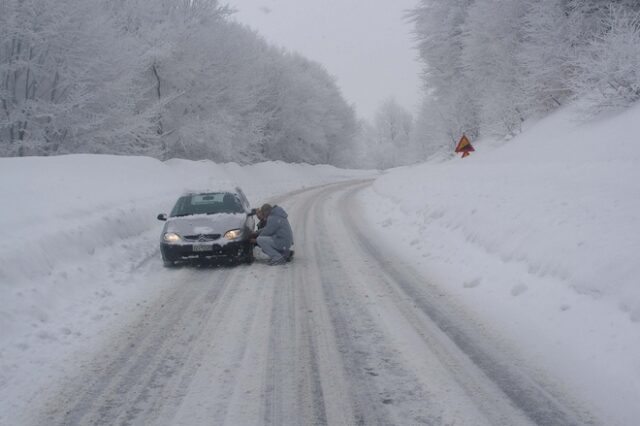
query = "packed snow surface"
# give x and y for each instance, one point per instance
(536, 238)
(541, 236)
(74, 229)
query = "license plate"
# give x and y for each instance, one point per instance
(202, 247)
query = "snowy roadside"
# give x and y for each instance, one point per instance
(538, 237)
(80, 249)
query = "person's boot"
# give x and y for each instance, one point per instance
(279, 261)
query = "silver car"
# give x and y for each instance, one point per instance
(208, 226)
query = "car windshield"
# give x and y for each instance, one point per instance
(211, 203)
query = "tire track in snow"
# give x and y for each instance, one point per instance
(538, 401)
(381, 389)
(128, 386)
(348, 327)
(293, 389)
(340, 336)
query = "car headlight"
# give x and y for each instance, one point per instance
(233, 234)
(171, 237)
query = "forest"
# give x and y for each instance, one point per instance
(160, 78)
(180, 78)
(492, 65)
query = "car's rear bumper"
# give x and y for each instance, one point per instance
(184, 251)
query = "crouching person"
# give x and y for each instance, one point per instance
(276, 238)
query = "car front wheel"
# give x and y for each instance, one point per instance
(168, 263)
(248, 254)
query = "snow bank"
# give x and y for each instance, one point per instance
(59, 209)
(540, 237)
(62, 209)
(75, 227)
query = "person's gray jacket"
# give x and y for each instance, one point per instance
(278, 228)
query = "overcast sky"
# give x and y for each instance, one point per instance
(366, 44)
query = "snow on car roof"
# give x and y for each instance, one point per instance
(214, 185)
(208, 191)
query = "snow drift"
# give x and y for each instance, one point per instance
(540, 238)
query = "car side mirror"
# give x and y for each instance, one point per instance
(162, 216)
(252, 212)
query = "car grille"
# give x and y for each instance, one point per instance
(202, 237)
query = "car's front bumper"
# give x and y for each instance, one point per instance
(189, 251)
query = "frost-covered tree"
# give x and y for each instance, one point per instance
(160, 77)
(312, 120)
(451, 97)
(393, 128)
(589, 17)
(493, 38)
(608, 66)
(65, 75)
(491, 64)
(364, 153)
(544, 56)
(433, 130)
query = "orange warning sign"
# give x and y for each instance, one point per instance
(464, 146)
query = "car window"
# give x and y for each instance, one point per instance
(212, 203)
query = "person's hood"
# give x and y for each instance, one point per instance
(278, 211)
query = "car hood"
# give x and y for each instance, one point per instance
(205, 224)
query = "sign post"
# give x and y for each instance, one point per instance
(464, 146)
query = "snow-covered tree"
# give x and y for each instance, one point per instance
(433, 130)
(314, 121)
(393, 128)
(65, 76)
(492, 64)
(163, 78)
(608, 66)
(493, 38)
(545, 56)
(450, 95)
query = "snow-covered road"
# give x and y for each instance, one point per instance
(348, 333)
